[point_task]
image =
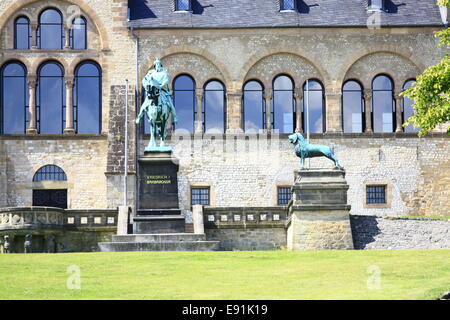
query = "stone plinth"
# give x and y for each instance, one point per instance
(319, 213)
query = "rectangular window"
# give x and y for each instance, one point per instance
(200, 195)
(284, 195)
(288, 4)
(182, 5)
(375, 194)
(376, 5)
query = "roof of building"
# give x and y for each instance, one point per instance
(265, 13)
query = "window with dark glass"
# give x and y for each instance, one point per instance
(283, 104)
(14, 98)
(375, 194)
(284, 195)
(78, 34)
(288, 4)
(383, 104)
(214, 109)
(51, 97)
(313, 107)
(408, 109)
(50, 173)
(254, 107)
(184, 100)
(352, 107)
(50, 33)
(200, 195)
(50, 197)
(22, 33)
(182, 5)
(87, 98)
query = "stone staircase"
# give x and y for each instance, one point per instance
(159, 242)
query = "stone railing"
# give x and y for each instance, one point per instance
(248, 217)
(29, 218)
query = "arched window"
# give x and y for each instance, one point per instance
(254, 107)
(78, 34)
(50, 173)
(283, 106)
(22, 33)
(184, 100)
(383, 104)
(314, 101)
(214, 109)
(352, 107)
(14, 98)
(87, 97)
(51, 97)
(408, 109)
(50, 30)
(54, 197)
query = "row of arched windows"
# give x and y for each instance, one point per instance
(50, 97)
(284, 109)
(50, 32)
(384, 106)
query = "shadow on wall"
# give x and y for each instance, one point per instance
(391, 7)
(140, 10)
(364, 230)
(303, 7)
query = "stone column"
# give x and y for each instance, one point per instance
(67, 38)
(69, 129)
(197, 218)
(368, 109)
(298, 95)
(34, 44)
(32, 129)
(398, 113)
(333, 111)
(234, 112)
(268, 98)
(198, 125)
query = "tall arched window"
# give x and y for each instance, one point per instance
(14, 98)
(383, 104)
(22, 33)
(352, 107)
(214, 108)
(51, 97)
(50, 30)
(78, 34)
(254, 107)
(283, 106)
(314, 101)
(408, 109)
(88, 98)
(184, 100)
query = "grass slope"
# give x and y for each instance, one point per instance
(409, 274)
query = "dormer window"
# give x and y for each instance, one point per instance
(376, 5)
(288, 5)
(182, 5)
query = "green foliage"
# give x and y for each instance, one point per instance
(431, 92)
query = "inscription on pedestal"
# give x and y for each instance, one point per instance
(158, 183)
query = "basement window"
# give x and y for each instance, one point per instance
(375, 194)
(284, 195)
(376, 5)
(183, 5)
(288, 5)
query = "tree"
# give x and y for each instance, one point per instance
(431, 91)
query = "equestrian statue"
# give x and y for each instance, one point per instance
(158, 106)
(303, 149)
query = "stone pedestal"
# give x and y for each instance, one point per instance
(158, 208)
(318, 213)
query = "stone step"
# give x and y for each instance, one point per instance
(165, 237)
(159, 246)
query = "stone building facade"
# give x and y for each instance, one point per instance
(231, 43)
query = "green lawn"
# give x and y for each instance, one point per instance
(406, 274)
